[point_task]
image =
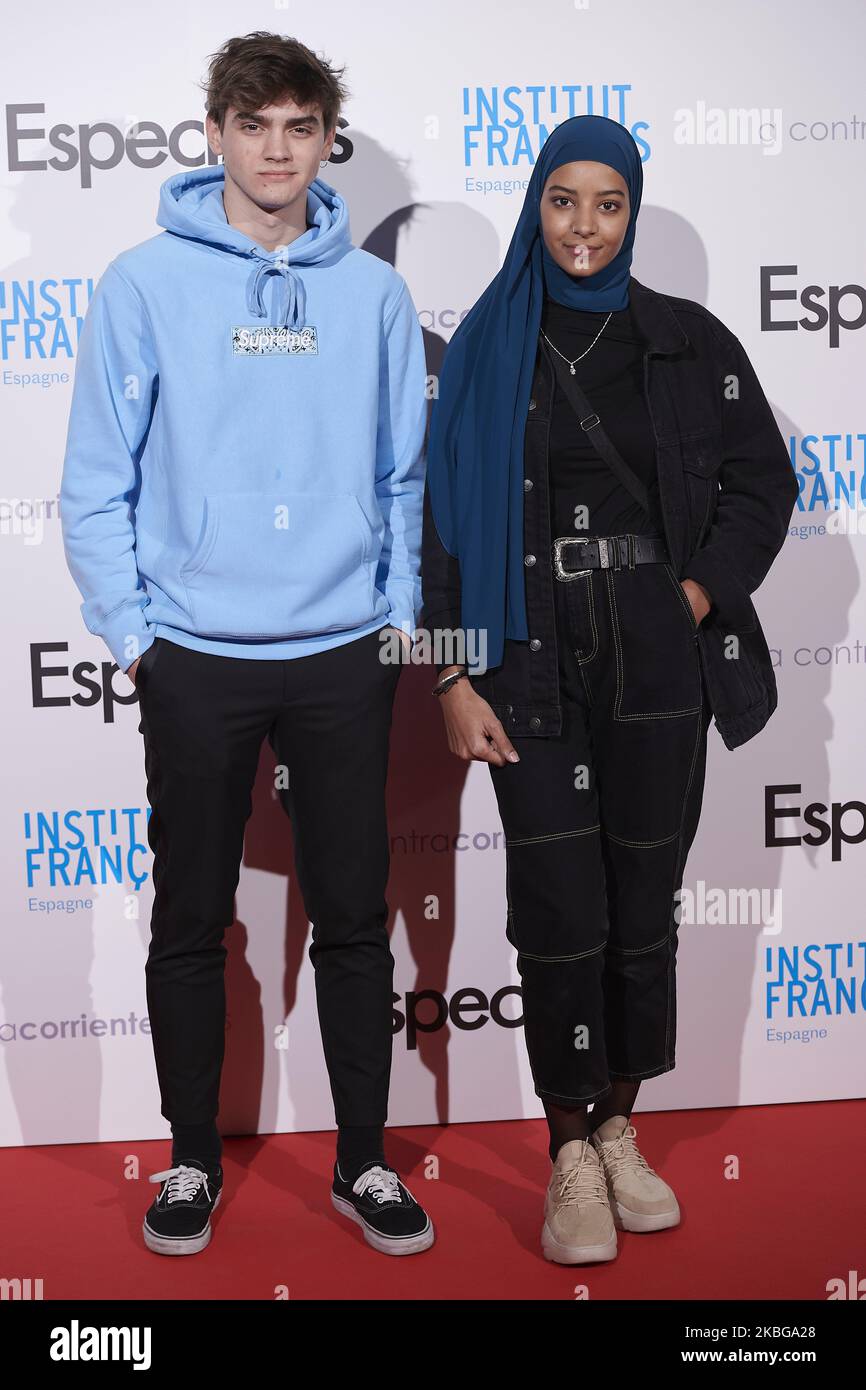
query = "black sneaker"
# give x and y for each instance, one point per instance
(386, 1211)
(178, 1220)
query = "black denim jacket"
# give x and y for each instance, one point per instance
(727, 490)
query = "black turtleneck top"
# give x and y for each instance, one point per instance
(611, 376)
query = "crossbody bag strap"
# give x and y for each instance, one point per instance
(590, 423)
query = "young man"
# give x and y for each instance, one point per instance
(242, 500)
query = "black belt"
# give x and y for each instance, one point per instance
(575, 554)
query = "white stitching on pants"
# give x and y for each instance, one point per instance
(578, 1100)
(637, 950)
(561, 835)
(639, 1075)
(641, 844)
(581, 955)
(582, 660)
(671, 962)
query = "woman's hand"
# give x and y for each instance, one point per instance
(699, 599)
(474, 732)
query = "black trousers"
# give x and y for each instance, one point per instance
(328, 717)
(598, 823)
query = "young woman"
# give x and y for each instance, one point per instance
(606, 488)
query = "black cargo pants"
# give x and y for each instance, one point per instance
(598, 823)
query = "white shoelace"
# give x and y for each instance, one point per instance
(619, 1154)
(585, 1182)
(183, 1182)
(380, 1183)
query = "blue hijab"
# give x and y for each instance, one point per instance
(475, 447)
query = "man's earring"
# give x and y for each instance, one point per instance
(322, 163)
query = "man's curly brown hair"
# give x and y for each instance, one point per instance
(260, 69)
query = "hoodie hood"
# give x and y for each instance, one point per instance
(191, 206)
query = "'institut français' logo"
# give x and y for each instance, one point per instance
(505, 127)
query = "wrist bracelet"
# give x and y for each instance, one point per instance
(448, 682)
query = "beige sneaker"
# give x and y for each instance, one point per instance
(640, 1199)
(578, 1222)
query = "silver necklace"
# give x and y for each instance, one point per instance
(586, 350)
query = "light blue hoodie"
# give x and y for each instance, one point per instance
(244, 467)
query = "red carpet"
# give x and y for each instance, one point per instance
(794, 1219)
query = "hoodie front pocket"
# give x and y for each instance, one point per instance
(280, 565)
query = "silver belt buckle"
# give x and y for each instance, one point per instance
(603, 553)
(557, 556)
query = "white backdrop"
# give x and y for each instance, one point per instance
(450, 105)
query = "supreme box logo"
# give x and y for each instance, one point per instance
(263, 340)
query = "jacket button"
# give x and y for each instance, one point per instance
(529, 559)
(535, 645)
(532, 405)
(535, 722)
(527, 484)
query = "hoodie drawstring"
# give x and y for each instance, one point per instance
(295, 301)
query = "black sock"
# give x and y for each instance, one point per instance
(357, 1145)
(564, 1123)
(196, 1141)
